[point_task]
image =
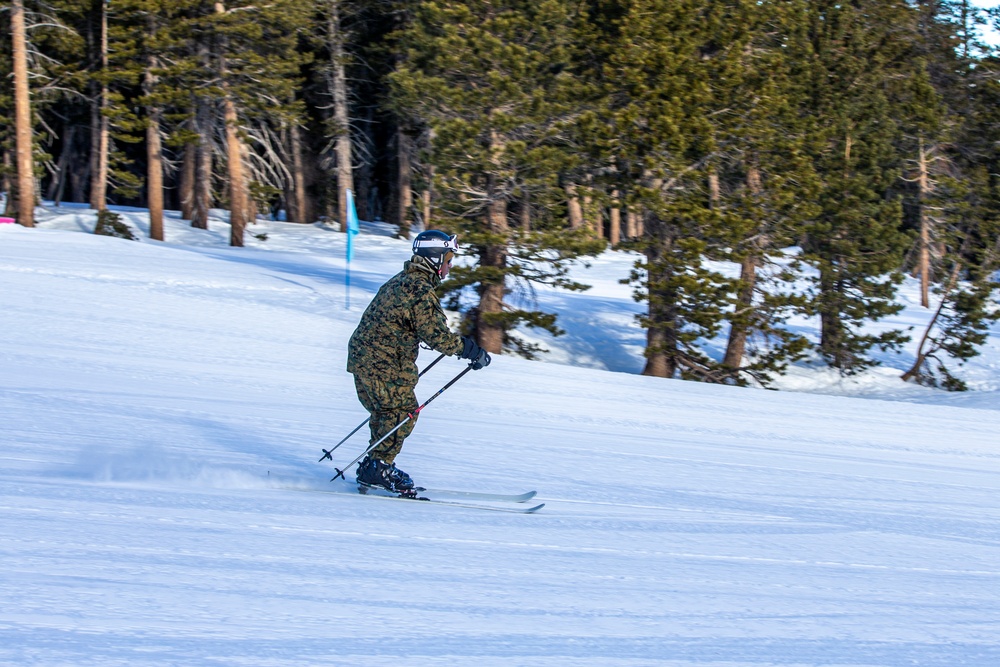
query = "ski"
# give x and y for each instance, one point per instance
(475, 506)
(382, 493)
(476, 495)
(388, 495)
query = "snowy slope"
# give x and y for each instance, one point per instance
(160, 399)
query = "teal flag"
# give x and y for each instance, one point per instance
(352, 225)
(352, 230)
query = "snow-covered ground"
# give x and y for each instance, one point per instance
(164, 406)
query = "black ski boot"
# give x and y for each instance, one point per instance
(375, 473)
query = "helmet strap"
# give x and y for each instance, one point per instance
(443, 264)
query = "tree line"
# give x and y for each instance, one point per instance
(826, 147)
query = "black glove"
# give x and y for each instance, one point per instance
(477, 355)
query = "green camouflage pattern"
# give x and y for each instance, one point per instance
(388, 403)
(382, 353)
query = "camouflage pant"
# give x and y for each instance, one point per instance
(388, 404)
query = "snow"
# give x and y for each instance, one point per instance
(164, 406)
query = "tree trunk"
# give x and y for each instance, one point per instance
(739, 328)
(635, 225)
(574, 209)
(238, 199)
(921, 355)
(249, 202)
(154, 177)
(662, 351)
(58, 185)
(99, 128)
(924, 256)
(363, 178)
(364, 192)
(631, 224)
(490, 334)
(658, 363)
(341, 118)
(831, 290)
(22, 119)
(187, 177)
(615, 219)
(154, 159)
(714, 190)
(296, 206)
(203, 165)
(7, 186)
(237, 180)
(404, 187)
(526, 212)
(79, 177)
(831, 327)
(661, 337)
(252, 207)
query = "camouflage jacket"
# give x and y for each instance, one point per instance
(405, 312)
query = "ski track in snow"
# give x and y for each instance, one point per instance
(157, 397)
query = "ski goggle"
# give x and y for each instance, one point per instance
(449, 244)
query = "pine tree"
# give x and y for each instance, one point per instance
(248, 68)
(856, 242)
(335, 54)
(494, 84)
(764, 182)
(661, 145)
(38, 31)
(78, 102)
(57, 73)
(960, 323)
(956, 208)
(149, 60)
(397, 139)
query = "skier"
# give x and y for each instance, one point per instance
(382, 353)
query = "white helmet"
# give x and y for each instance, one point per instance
(436, 247)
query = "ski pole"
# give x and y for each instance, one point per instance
(327, 452)
(409, 417)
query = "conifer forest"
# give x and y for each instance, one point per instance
(826, 148)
